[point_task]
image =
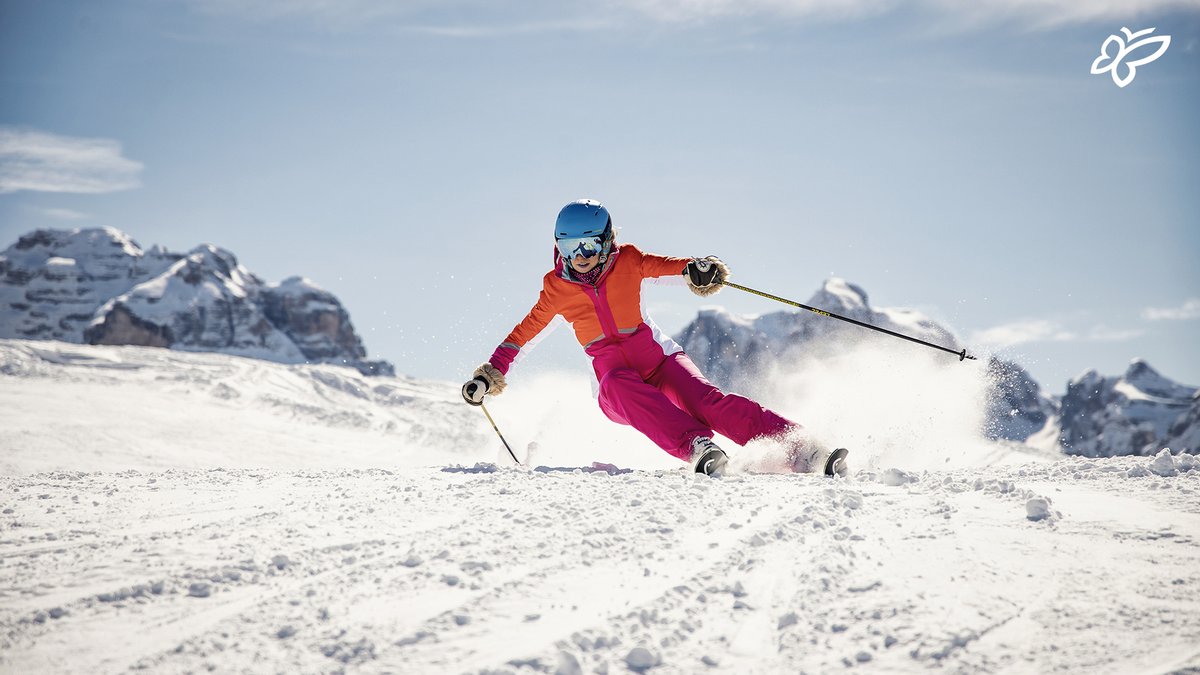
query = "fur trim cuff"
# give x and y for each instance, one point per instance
(494, 377)
(706, 291)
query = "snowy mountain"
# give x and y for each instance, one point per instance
(53, 281)
(176, 512)
(1139, 412)
(98, 286)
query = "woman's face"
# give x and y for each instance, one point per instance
(583, 265)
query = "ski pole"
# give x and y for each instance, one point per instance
(961, 355)
(489, 416)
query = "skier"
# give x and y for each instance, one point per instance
(645, 379)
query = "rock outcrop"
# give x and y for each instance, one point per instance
(1138, 413)
(98, 286)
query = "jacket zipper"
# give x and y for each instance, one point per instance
(599, 298)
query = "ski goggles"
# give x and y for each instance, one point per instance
(583, 247)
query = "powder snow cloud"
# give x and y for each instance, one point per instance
(41, 161)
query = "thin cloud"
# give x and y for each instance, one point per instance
(542, 15)
(1105, 334)
(471, 20)
(63, 214)
(500, 30)
(1045, 330)
(1190, 309)
(683, 11)
(1044, 13)
(39, 161)
(1022, 332)
(325, 11)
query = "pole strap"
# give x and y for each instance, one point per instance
(960, 354)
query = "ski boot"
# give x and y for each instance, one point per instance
(835, 465)
(810, 459)
(707, 458)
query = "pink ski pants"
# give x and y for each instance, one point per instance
(666, 398)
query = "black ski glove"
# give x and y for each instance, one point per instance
(487, 379)
(473, 391)
(705, 275)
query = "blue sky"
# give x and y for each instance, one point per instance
(953, 157)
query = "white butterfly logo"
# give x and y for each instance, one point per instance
(1125, 48)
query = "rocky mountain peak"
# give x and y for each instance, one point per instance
(1135, 413)
(840, 296)
(100, 287)
(312, 318)
(1146, 379)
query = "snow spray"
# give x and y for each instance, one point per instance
(890, 404)
(551, 419)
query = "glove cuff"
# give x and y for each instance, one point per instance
(493, 377)
(722, 275)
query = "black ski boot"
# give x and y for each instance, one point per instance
(835, 465)
(708, 459)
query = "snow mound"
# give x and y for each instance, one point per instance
(116, 408)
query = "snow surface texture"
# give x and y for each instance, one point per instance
(182, 512)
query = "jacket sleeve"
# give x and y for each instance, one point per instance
(661, 266)
(524, 332)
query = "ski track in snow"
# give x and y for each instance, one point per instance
(479, 569)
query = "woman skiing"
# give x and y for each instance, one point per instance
(645, 379)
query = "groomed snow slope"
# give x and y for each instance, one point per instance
(197, 562)
(82, 407)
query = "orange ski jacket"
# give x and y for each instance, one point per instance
(611, 309)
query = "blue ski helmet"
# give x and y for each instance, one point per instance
(584, 227)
